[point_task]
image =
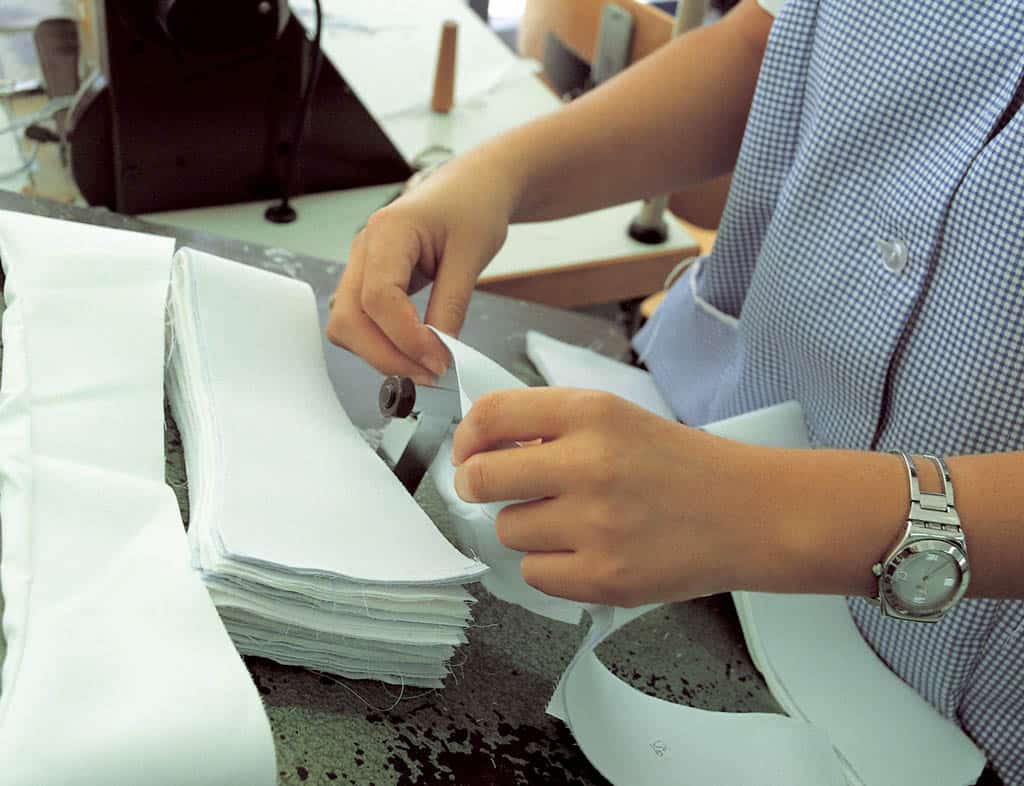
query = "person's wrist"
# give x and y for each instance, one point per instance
(743, 500)
(506, 163)
(835, 513)
(772, 545)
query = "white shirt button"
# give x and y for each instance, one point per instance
(894, 254)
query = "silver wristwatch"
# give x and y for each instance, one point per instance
(927, 571)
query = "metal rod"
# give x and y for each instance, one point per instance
(649, 225)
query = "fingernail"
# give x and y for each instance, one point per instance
(434, 364)
(424, 379)
(463, 493)
(456, 460)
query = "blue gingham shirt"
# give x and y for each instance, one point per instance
(870, 264)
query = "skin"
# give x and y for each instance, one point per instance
(630, 508)
(588, 155)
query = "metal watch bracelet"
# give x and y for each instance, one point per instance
(933, 533)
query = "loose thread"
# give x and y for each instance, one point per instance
(350, 689)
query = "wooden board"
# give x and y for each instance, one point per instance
(577, 23)
(600, 281)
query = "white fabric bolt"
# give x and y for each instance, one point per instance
(117, 670)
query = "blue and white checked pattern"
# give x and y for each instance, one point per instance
(879, 122)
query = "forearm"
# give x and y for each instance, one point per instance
(836, 513)
(674, 119)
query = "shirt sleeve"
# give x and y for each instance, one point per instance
(771, 6)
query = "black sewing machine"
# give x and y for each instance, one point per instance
(195, 104)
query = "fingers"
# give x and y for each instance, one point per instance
(349, 326)
(562, 574)
(540, 525)
(508, 416)
(393, 252)
(578, 576)
(453, 287)
(513, 473)
(417, 238)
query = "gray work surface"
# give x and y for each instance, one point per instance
(488, 725)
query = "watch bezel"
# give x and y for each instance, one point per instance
(913, 548)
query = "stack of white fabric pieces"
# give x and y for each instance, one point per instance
(311, 549)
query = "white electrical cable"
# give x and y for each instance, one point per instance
(28, 161)
(52, 107)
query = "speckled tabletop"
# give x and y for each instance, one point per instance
(487, 725)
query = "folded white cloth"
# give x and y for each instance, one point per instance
(117, 670)
(475, 524)
(311, 548)
(570, 366)
(812, 657)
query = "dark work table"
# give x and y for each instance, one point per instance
(488, 724)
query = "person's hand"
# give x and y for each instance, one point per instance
(627, 507)
(449, 228)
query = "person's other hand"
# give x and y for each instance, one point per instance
(626, 507)
(449, 228)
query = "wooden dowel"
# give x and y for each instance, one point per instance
(444, 77)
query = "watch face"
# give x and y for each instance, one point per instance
(924, 579)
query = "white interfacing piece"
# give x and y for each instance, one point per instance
(638, 740)
(117, 668)
(567, 365)
(355, 34)
(820, 669)
(312, 550)
(478, 374)
(845, 715)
